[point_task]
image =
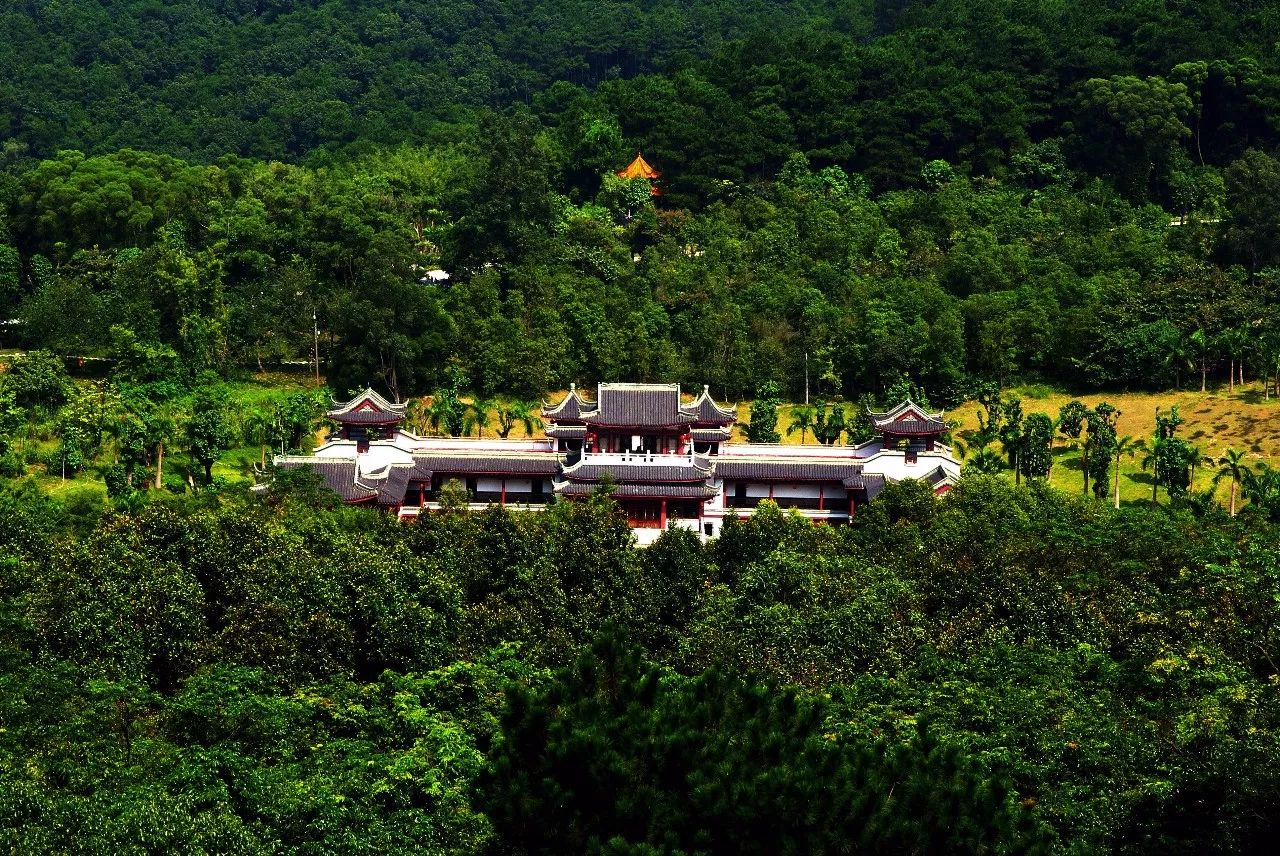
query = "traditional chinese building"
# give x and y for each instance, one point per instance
(908, 426)
(666, 461)
(640, 168)
(366, 417)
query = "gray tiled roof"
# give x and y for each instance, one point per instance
(366, 417)
(567, 432)
(529, 463)
(781, 469)
(913, 426)
(705, 410)
(936, 476)
(339, 476)
(570, 408)
(908, 418)
(348, 412)
(711, 435)
(640, 491)
(660, 468)
(638, 405)
(392, 489)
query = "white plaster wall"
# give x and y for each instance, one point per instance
(380, 456)
(471, 444)
(337, 449)
(772, 450)
(646, 537)
(893, 465)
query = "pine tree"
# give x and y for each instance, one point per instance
(619, 756)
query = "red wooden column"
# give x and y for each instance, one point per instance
(852, 506)
(502, 497)
(822, 489)
(662, 513)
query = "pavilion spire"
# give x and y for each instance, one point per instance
(640, 168)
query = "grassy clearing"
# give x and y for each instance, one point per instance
(1214, 422)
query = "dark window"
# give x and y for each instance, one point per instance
(706, 527)
(538, 487)
(471, 486)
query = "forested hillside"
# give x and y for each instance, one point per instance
(1008, 671)
(945, 192)
(863, 200)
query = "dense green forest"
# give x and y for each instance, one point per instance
(947, 192)
(1010, 670)
(934, 197)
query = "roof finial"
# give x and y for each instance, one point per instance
(706, 388)
(573, 388)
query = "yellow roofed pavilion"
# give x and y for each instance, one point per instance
(640, 168)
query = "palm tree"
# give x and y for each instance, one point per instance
(803, 419)
(1197, 458)
(420, 415)
(1261, 486)
(1126, 446)
(513, 413)
(987, 460)
(1152, 460)
(164, 424)
(478, 415)
(1231, 465)
(1178, 357)
(258, 425)
(1234, 341)
(1200, 347)
(443, 416)
(983, 459)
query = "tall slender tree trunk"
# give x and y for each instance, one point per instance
(1204, 370)
(1117, 481)
(1155, 484)
(1233, 496)
(1231, 376)
(1084, 466)
(159, 464)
